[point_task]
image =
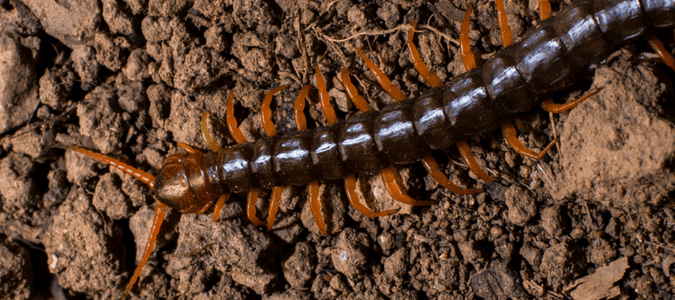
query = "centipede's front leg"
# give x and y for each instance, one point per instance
(160, 213)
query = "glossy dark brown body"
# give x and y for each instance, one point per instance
(515, 79)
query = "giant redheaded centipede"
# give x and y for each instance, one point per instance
(363, 147)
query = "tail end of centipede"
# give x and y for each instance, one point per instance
(136, 173)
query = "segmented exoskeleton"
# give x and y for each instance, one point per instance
(514, 80)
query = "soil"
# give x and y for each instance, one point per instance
(131, 78)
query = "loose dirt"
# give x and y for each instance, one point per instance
(131, 78)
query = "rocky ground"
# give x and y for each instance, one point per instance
(131, 78)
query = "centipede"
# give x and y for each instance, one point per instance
(518, 78)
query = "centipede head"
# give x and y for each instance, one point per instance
(182, 184)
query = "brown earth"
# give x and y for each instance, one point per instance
(594, 218)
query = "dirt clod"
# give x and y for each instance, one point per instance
(18, 189)
(77, 248)
(298, 267)
(79, 27)
(18, 85)
(16, 272)
(350, 254)
(561, 262)
(497, 281)
(397, 264)
(615, 134)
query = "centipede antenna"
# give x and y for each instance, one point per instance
(136, 173)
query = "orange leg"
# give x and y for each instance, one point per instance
(656, 44)
(469, 60)
(556, 108)
(432, 167)
(188, 148)
(429, 77)
(232, 126)
(274, 206)
(382, 79)
(214, 147)
(207, 137)
(316, 206)
(350, 181)
(393, 186)
(544, 9)
(323, 97)
(312, 187)
(507, 36)
(468, 57)
(355, 201)
(160, 213)
(266, 112)
(465, 151)
(251, 200)
(219, 206)
(509, 133)
(353, 94)
(238, 136)
(299, 108)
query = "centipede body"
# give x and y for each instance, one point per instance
(288, 212)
